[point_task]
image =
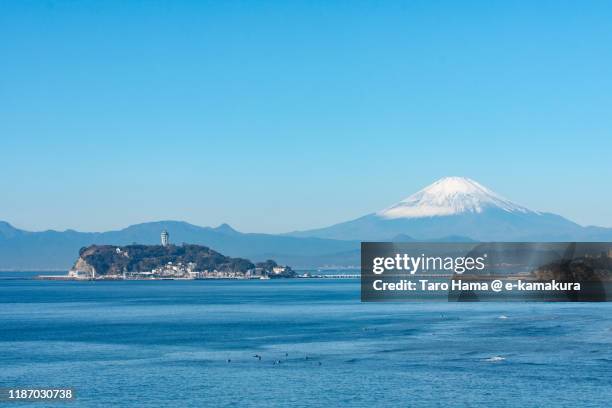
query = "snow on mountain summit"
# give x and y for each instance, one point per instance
(450, 196)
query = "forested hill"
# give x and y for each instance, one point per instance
(110, 259)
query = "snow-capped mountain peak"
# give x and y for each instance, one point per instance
(450, 196)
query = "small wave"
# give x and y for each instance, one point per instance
(502, 317)
(495, 359)
(605, 360)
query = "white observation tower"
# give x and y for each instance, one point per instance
(165, 238)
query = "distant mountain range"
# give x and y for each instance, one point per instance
(25, 250)
(452, 209)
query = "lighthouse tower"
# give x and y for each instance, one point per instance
(165, 238)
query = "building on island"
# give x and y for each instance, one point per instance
(77, 274)
(165, 238)
(277, 270)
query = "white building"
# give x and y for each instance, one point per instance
(76, 274)
(165, 238)
(277, 270)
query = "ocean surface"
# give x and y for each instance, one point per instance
(192, 344)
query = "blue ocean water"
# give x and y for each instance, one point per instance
(168, 343)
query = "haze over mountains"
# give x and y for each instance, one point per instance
(451, 209)
(24, 250)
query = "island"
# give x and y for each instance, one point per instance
(166, 261)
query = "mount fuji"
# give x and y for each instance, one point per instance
(455, 209)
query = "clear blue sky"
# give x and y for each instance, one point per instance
(276, 116)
